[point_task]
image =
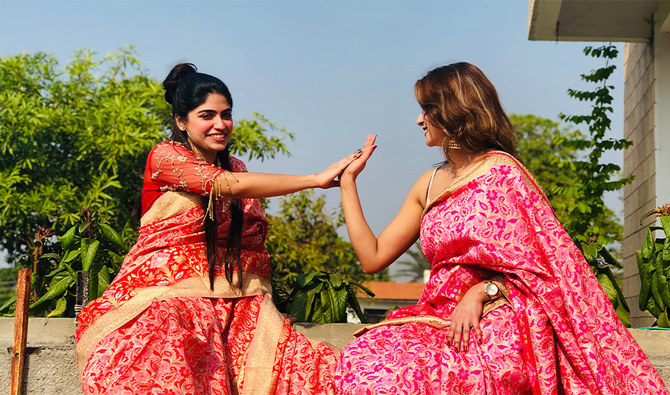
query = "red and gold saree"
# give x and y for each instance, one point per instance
(159, 328)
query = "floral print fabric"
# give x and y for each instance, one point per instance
(159, 329)
(560, 334)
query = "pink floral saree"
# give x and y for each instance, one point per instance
(160, 329)
(558, 334)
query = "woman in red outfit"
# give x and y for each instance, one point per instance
(190, 310)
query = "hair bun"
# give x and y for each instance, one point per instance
(175, 76)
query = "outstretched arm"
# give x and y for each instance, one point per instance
(377, 253)
(174, 167)
(257, 185)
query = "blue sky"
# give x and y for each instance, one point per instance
(330, 71)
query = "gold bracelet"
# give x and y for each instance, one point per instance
(223, 174)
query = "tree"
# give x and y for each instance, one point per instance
(303, 238)
(593, 178)
(552, 165)
(414, 268)
(78, 137)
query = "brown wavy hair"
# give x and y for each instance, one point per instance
(461, 101)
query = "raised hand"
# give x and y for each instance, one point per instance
(327, 178)
(357, 166)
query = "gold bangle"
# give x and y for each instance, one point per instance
(223, 174)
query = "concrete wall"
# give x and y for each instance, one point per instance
(51, 367)
(639, 160)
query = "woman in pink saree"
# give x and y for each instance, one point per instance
(190, 311)
(511, 306)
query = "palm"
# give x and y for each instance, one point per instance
(415, 268)
(357, 166)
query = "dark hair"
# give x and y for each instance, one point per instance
(464, 104)
(186, 89)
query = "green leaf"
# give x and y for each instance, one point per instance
(663, 321)
(662, 286)
(604, 252)
(658, 300)
(5, 307)
(590, 251)
(310, 304)
(88, 255)
(624, 315)
(665, 223)
(326, 313)
(103, 280)
(117, 260)
(609, 289)
(335, 280)
(51, 255)
(61, 306)
(353, 302)
(112, 235)
(67, 240)
(665, 255)
(83, 226)
(615, 285)
(93, 284)
(71, 256)
(304, 279)
(652, 308)
(648, 246)
(56, 276)
(339, 298)
(364, 288)
(299, 306)
(55, 291)
(70, 271)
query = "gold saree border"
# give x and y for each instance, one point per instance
(435, 322)
(430, 320)
(170, 204)
(485, 164)
(257, 376)
(190, 287)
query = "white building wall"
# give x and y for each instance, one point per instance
(662, 116)
(639, 160)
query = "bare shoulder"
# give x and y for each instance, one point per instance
(420, 186)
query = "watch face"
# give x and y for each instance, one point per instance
(491, 289)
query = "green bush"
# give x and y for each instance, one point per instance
(653, 262)
(323, 297)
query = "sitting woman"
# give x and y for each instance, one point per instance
(190, 310)
(511, 306)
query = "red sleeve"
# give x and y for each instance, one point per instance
(172, 167)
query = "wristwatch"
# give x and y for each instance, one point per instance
(491, 289)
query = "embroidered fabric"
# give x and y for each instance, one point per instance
(172, 167)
